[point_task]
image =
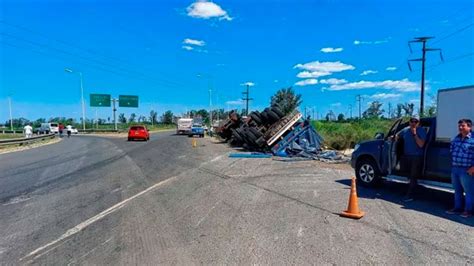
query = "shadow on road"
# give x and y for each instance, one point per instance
(429, 201)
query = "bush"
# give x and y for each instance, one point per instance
(344, 135)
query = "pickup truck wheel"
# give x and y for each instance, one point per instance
(367, 173)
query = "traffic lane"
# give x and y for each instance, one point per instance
(258, 211)
(249, 211)
(105, 176)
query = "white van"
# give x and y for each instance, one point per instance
(47, 128)
(184, 125)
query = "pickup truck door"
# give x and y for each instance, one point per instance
(389, 151)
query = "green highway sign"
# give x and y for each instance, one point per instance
(128, 101)
(100, 100)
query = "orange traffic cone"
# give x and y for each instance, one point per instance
(353, 207)
(194, 143)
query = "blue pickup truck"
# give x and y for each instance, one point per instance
(379, 158)
(196, 130)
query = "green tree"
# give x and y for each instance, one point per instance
(330, 116)
(132, 117)
(408, 108)
(167, 117)
(122, 119)
(398, 113)
(340, 117)
(153, 117)
(374, 110)
(287, 99)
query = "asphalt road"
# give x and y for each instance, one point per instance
(94, 200)
(48, 190)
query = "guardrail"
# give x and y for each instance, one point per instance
(22, 141)
(4, 131)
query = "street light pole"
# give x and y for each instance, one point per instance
(83, 106)
(82, 98)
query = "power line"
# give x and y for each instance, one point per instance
(89, 59)
(64, 58)
(450, 60)
(90, 51)
(454, 33)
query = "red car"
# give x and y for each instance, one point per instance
(138, 132)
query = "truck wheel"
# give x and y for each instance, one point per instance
(367, 173)
(255, 118)
(278, 111)
(272, 116)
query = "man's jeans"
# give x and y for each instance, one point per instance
(462, 182)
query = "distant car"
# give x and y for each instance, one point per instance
(74, 130)
(47, 128)
(138, 132)
(196, 130)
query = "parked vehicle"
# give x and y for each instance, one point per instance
(74, 130)
(47, 128)
(138, 132)
(196, 130)
(379, 159)
(184, 125)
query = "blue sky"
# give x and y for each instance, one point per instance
(329, 51)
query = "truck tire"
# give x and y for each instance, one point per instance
(272, 117)
(264, 117)
(278, 111)
(256, 118)
(367, 173)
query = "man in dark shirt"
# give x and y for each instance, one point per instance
(414, 138)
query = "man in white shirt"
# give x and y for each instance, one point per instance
(69, 130)
(28, 130)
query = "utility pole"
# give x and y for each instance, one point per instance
(247, 99)
(114, 111)
(350, 110)
(389, 110)
(359, 99)
(10, 108)
(423, 40)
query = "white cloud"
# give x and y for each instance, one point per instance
(368, 72)
(187, 47)
(391, 68)
(357, 42)
(248, 83)
(336, 105)
(403, 85)
(313, 74)
(384, 96)
(330, 67)
(194, 42)
(333, 81)
(206, 10)
(236, 102)
(331, 50)
(306, 82)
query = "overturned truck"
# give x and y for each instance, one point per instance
(272, 131)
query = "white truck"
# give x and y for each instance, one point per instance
(184, 126)
(47, 128)
(453, 104)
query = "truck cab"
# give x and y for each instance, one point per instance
(379, 159)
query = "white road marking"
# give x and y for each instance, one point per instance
(217, 158)
(300, 232)
(76, 229)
